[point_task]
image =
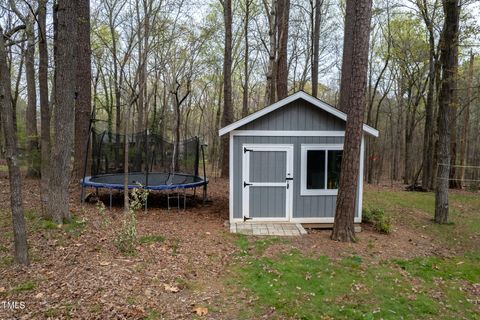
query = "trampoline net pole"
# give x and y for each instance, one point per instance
(87, 148)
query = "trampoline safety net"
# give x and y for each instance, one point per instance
(146, 153)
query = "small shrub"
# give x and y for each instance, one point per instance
(102, 211)
(474, 187)
(126, 238)
(381, 222)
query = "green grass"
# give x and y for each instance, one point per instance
(301, 287)
(416, 210)
(36, 222)
(304, 287)
(151, 238)
(24, 286)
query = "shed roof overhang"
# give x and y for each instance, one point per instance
(277, 105)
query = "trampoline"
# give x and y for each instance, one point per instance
(156, 181)
(154, 164)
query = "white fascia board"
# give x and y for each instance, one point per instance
(318, 103)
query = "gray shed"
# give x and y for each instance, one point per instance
(285, 162)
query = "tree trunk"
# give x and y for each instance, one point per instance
(227, 117)
(271, 91)
(428, 136)
(11, 155)
(31, 112)
(352, 100)
(446, 100)
(466, 122)
(283, 10)
(245, 67)
(63, 113)
(44, 104)
(83, 107)
(316, 47)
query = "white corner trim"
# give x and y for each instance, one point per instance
(314, 101)
(360, 179)
(230, 178)
(303, 169)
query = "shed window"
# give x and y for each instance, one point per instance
(320, 171)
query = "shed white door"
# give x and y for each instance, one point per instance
(267, 182)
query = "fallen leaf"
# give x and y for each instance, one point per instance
(2, 289)
(170, 288)
(39, 295)
(104, 263)
(201, 311)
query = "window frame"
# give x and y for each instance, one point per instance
(304, 148)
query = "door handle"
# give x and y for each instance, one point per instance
(289, 178)
(246, 184)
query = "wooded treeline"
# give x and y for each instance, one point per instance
(183, 69)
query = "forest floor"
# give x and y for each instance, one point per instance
(187, 265)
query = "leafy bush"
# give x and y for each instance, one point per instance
(381, 222)
(474, 187)
(126, 238)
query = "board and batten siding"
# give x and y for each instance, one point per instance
(303, 206)
(299, 115)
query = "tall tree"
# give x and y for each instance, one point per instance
(352, 101)
(316, 45)
(227, 117)
(448, 59)
(44, 104)
(83, 106)
(28, 21)
(428, 17)
(271, 88)
(466, 121)
(283, 12)
(64, 111)
(246, 72)
(11, 154)
(31, 112)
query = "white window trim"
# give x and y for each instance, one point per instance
(303, 165)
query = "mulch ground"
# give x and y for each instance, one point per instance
(85, 276)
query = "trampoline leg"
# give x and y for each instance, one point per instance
(82, 195)
(178, 200)
(184, 199)
(204, 194)
(110, 199)
(168, 199)
(146, 204)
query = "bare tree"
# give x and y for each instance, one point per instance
(449, 49)
(63, 113)
(44, 104)
(352, 101)
(283, 10)
(83, 106)
(227, 117)
(466, 120)
(28, 19)
(246, 72)
(316, 45)
(11, 154)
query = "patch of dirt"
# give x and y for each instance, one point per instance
(85, 276)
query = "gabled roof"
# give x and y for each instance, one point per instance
(277, 105)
